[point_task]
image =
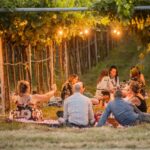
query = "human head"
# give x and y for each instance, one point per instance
(118, 94)
(135, 87)
(134, 73)
(78, 87)
(104, 73)
(106, 95)
(113, 71)
(23, 87)
(73, 78)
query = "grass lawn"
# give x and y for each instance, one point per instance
(18, 136)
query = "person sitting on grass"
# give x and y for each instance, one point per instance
(124, 112)
(23, 93)
(78, 111)
(67, 88)
(136, 97)
(103, 103)
(26, 102)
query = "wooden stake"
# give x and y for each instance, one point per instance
(89, 53)
(66, 60)
(2, 78)
(51, 66)
(78, 57)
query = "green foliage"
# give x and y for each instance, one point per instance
(41, 27)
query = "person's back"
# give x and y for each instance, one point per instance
(78, 110)
(122, 111)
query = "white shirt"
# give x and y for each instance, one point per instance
(78, 110)
(104, 84)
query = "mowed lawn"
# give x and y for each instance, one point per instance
(18, 136)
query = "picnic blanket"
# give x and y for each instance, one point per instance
(51, 123)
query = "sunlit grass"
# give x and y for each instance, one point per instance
(42, 137)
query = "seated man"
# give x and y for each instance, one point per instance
(124, 112)
(78, 110)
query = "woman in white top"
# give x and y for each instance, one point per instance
(103, 83)
(114, 79)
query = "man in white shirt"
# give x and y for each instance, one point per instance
(78, 109)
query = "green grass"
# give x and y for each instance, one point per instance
(16, 136)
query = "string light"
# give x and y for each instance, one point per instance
(81, 33)
(116, 32)
(60, 32)
(86, 31)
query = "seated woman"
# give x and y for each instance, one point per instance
(114, 78)
(23, 99)
(67, 88)
(136, 75)
(103, 84)
(25, 102)
(136, 97)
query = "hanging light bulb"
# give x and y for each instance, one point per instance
(86, 31)
(60, 32)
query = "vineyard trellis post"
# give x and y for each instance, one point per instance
(2, 84)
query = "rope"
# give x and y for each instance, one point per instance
(32, 61)
(15, 64)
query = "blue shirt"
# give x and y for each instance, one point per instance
(122, 110)
(78, 110)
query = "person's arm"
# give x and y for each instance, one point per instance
(135, 101)
(104, 116)
(91, 113)
(142, 79)
(43, 97)
(136, 110)
(65, 115)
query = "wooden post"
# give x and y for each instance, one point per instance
(78, 58)
(95, 44)
(89, 53)
(108, 44)
(30, 65)
(2, 78)
(51, 65)
(66, 60)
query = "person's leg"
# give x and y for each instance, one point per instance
(144, 117)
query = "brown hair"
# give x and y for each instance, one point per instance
(71, 77)
(23, 87)
(135, 87)
(135, 73)
(103, 74)
(111, 68)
